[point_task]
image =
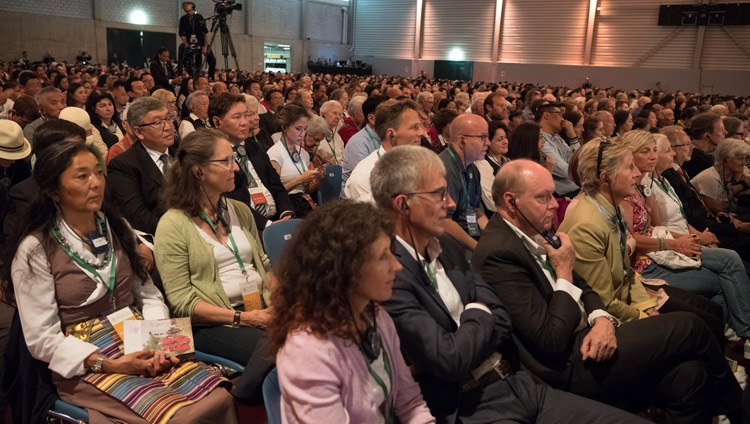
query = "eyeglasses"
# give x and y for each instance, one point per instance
(603, 143)
(483, 137)
(163, 122)
(442, 193)
(228, 161)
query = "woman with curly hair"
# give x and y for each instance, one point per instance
(337, 352)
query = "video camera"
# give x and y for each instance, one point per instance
(226, 7)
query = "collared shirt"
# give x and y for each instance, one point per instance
(464, 186)
(154, 155)
(556, 148)
(357, 187)
(557, 284)
(360, 145)
(445, 288)
(5, 108)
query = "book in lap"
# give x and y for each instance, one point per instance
(172, 336)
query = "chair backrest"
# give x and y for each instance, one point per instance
(275, 237)
(329, 187)
(272, 397)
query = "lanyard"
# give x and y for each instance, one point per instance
(332, 147)
(232, 249)
(380, 382)
(546, 265)
(667, 188)
(375, 145)
(463, 178)
(623, 235)
(110, 285)
(294, 162)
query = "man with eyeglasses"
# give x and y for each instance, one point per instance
(454, 331)
(564, 335)
(468, 143)
(134, 178)
(549, 117)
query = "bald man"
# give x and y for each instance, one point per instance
(469, 143)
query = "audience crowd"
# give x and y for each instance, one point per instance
(504, 251)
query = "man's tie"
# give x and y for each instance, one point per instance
(164, 159)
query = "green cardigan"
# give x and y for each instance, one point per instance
(187, 263)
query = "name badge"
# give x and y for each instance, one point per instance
(471, 224)
(257, 197)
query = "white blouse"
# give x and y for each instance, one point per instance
(37, 307)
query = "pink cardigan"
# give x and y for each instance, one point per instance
(327, 381)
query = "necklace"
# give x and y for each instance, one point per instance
(65, 244)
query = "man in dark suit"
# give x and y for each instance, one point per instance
(256, 183)
(134, 178)
(453, 329)
(163, 72)
(562, 332)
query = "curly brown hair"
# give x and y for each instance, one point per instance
(320, 269)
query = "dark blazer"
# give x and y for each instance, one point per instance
(443, 353)
(22, 196)
(161, 78)
(268, 122)
(544, 321)
(133, 185)
(268, 176)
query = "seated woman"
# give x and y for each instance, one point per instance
(291, 161)
(602, 245)
(211, 260)
(76, 263)
(721, 184)
(337, 351)
(259, 135)
(317, 129)
(593, 128)
(332, 112)
(623, 122)
(493, 161)
(526, 142)
(101, 109)
(721, 275)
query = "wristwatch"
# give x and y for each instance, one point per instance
(615, 322)
(97, 367)
(236, 320)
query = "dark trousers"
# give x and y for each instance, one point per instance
(520, 399)
(707, 310)
(672, 361)
(244, 345)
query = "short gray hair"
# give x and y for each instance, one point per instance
(355, 104)
(42, 94)
(400, 171)
(331, 104)
(140, 107)
(317, 126)
(192, 96)
(729, 148)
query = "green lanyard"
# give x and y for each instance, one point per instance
(380, 382)
(292, 158)
(463, 178)
(232, 249)
(667, 188)
(432, 274)
(332, 147)
(373, 143)
(615, 219)
(546, 265)
(110, 286)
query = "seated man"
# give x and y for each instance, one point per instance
(563, 334)
(468, 143)
(135, 177)
(453, 329)
(256, 183)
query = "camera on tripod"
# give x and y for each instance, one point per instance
(226, 7)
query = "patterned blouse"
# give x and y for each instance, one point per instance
(641, 225)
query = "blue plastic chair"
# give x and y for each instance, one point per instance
(67, 413)
(272, 397)
(227, 363)
(329, 187)
(275, 237)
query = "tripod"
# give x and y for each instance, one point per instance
(219, 25)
